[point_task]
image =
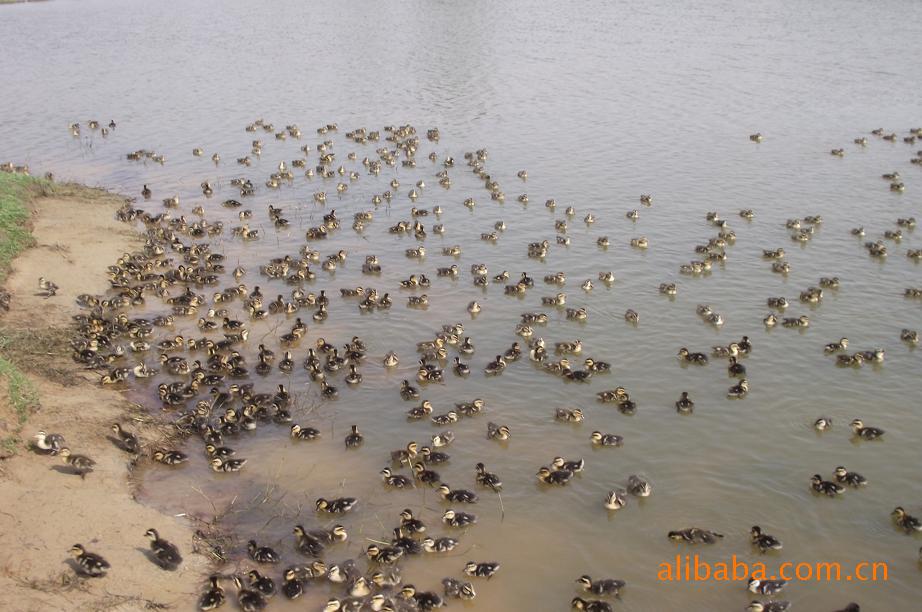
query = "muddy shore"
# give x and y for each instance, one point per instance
(45, 509)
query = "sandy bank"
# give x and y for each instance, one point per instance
(45, 509)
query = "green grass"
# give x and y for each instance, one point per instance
(23, 399)
(15, 192)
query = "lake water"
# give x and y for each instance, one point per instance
(600, 102)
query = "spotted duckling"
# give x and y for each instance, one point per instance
(213, 597)
(825, 487)
(568, 415)
(89, 564)
(822, 423)
(852, 479)
(764, 541)
(164, 553)
(835, 347)
(554, 477)
(606, 586)
(905, 521)
(80, 464)
(249, 600)
(615, 499)
(694, 535)
(355, 438)
(127, 441)
(768, 606)
(457, 495)
(456, 518)
(590, 605)
(866, 433)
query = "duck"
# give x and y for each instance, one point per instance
(213, 597)
(48, 443)
(777, 605)
(495, 367)
(764, 541)
(590, 605)
(606, 586)
(696, 358)
(407, 391)
(693, 535)
(867, 433)
(638, 487)
(574, 466)
(486, 569)
(735, 368)
(397, 481)
(388, 555)
(770, 320)
(853, 479)
(684, 404)
(574, 415)
(631, 316)
(822, 423)
(227, 465)
(80, 464)
(457, 495)
(146, 192)
(391, 360)
(825, 487)
(88, 563)
(487, 479)
(498, 432)
(340, 505)
(127, 441)
(615, 500)
(262, 554)
(906, 522)
(354, 439)
(555, 477)
(834, 347)
(456, 518)
(304, 433)
(165, 554)
(405, 455)
(456, 589)
(249, 600)
(739, 390)
(766, 587)
(606, 439)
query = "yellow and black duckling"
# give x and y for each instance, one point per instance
(696, 358)
(169, 457)
(292, 587)
(80, 464)
(262, 554)
(387, 555)
(48, 443)
(638, 486)
(575, 466)
(146, 192)
(766, 587)
(164, 553)
(590, 605)
(455, 589)
(693, 535)
(684, 404)
(495, 367)
(488, 479)
(354, 439)
(249, 599)
(498, 432)
(606, 586)
(407, 391)
(457, 495)
(739, 390)
(826, 487)
(87, 563)
(227, 465)
(456, 518)
(304, 433)
(340, 505)
(407, 454)
(764, 541)
(485, 569)
(574, 415)
(213, 597)
(735, 368)
(866, 433)
(554, 477)
(443, 439)
(835, 347)
(905, 521)
(778, 605)
(398, 481)
(822, 423)
(852, 479)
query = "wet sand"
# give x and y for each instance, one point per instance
(45, 509)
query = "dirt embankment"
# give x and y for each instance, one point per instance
(44, 509)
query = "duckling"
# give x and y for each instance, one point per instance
(80, 464)
(684, 404)
(574, 415)
(850, 360)
(495, 367)
(615, 500)
(481, 570)
(355, 438)
(764, 541)
(739, 390)
(227, 465)
(443, 439)
(801, 321)
(668, 288)
(768, 606)
(906, 522)
(146, 192)
(837, 152)
(693, 535)
(555, 477)
(473, 308)
(590, 605)
(388, 555)
(498, 432)
(766, 587)
(456, 589)
(304, 433)
(405, 455)
(49, 443)
(770, 320)
(607, 277)
(631, 316)
(456, 518)
(213, 598)
(638, 486)
(407, 391)
(457, 495)
(391, 360)
(852, 479)
(292, 587)
(169, 457)
(461, 369)
(445, 419)
(834, 347)
(825, 487)
(735, 368)
(822, 423)
(867, 433)
(640, 243)
(909, 336)
(606, 586)
(397, 481)
(89, 564)
(696, 358)
(262, 554)
(340, 505)
(250, 599)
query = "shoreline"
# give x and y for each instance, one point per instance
(73, 235)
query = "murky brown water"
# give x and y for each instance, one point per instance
(600, 104)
